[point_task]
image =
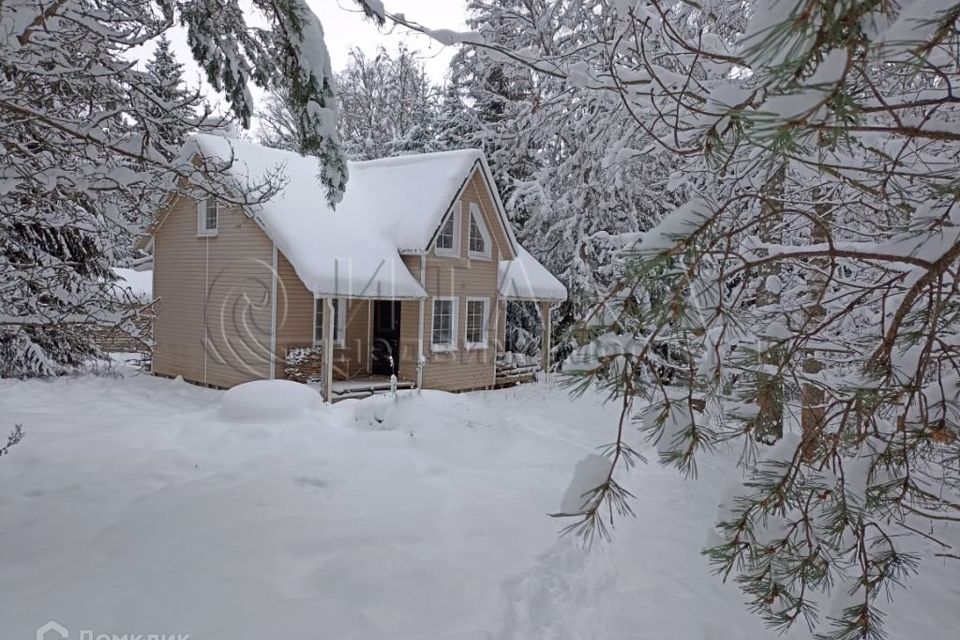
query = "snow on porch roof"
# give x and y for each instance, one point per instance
(523, 278)
(391, 205)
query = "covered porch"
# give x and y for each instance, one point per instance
(524, 279)
(348, 323)
(517, 368)
(383, 345)
(375, 347)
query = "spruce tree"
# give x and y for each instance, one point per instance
(578, 176)
(168, 95)
(388, 107)
(88, 145)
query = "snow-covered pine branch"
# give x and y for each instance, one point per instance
(14, 438)
(805, 294)
(90, 142)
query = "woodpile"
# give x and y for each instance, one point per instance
(304, 364)
(126, 328)
(516, 368)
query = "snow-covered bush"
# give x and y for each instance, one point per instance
(268, 401)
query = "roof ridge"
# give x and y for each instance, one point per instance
(413, 157)
(358, 164)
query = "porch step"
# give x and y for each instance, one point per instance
(345, 389)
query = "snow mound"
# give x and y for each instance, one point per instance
(268, 401)
(590, 473)
(372, 412)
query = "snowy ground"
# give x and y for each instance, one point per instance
(134, 506)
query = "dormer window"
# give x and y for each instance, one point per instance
(479, 241)
(447, 238)
(208, 217)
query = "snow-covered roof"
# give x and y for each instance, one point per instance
(335, 253)
(391, 206)
(524, 278)
(137, 283)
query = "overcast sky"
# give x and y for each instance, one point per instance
(345, 27)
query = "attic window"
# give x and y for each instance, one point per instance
(447, 238)
(479, 236)
(208, 217)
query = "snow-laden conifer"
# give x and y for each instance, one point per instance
(388, 107)
(799, 304)
(90, 140)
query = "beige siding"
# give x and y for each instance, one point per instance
(214, 315)
(501, 325)
(476, 191)
(409, 330)
(294, 311)
(295, 319)
(178, 285)
(463, 278)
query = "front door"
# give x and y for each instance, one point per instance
(385, 354)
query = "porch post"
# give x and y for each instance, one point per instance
(328, 349)
(421, 360)
(545, 338)
(421, 303)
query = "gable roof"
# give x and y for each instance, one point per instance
(343, 252)
(391, 206)
(404, 197)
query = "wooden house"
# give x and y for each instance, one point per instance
(409, 275)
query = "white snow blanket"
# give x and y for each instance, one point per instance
(334, 252)
(134, 506)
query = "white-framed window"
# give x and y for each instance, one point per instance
(476, 333)
(339, 321)
(448, 239)
(479, 242)
(443, 336)
(208, 217)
